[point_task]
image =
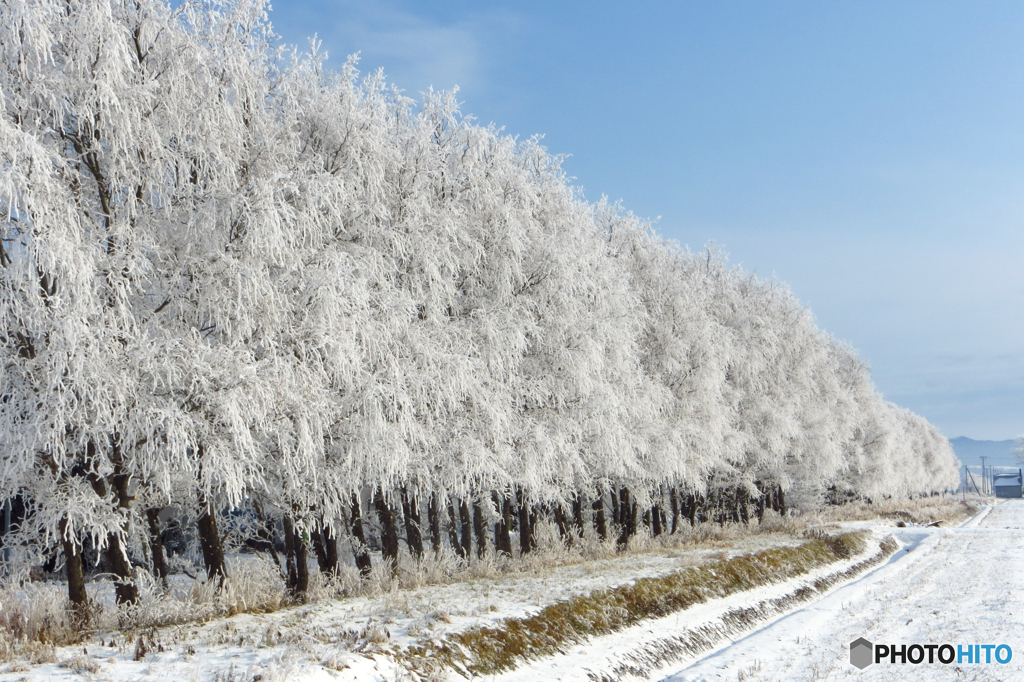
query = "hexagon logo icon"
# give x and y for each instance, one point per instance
(861, 653)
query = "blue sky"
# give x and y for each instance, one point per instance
(869, 154)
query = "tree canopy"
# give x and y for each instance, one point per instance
(232, 276)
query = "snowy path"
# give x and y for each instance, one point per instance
(959, 586)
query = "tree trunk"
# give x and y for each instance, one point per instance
(453, 530)
(782, 501)
(759, 505)
(156, 545)
(599, 521)
(479, 529)
(389, 530)
(434, 521)
(674, 500)
(656, 528)
(209, 542)
(295, 549)
(76, 577)
(526, 520)
(127, 593)
(563, 526)
(291, 572)
(627, 513)
(631, 518)
(316, 539)
(577, 515)
(616, 517)
(412, 524)
(331, 547)
(502, 537)
(467, 529)
(125, 589)
(359, 549)
(209, 538)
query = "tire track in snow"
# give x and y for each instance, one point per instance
(958, 586)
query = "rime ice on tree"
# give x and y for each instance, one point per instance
(233, 279)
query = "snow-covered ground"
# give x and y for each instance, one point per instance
(316, 641)
(641, 650)
(946, 585)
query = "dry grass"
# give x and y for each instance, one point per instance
(488, 650)
(34, 617)
(253, 585)
(948, 509)
(653, 655)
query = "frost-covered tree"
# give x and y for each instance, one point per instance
(234, 279)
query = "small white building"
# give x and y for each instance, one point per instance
(1008, 485)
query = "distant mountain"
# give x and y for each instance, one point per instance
(998, 452)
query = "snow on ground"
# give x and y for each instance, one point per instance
(960, 585)
(603, 656)
(315, 641)
(947, 585)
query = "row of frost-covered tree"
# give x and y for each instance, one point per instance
(234, 279)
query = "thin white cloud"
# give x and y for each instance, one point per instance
(417, 49)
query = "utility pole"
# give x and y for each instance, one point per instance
(983, 478)
(971, 476)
